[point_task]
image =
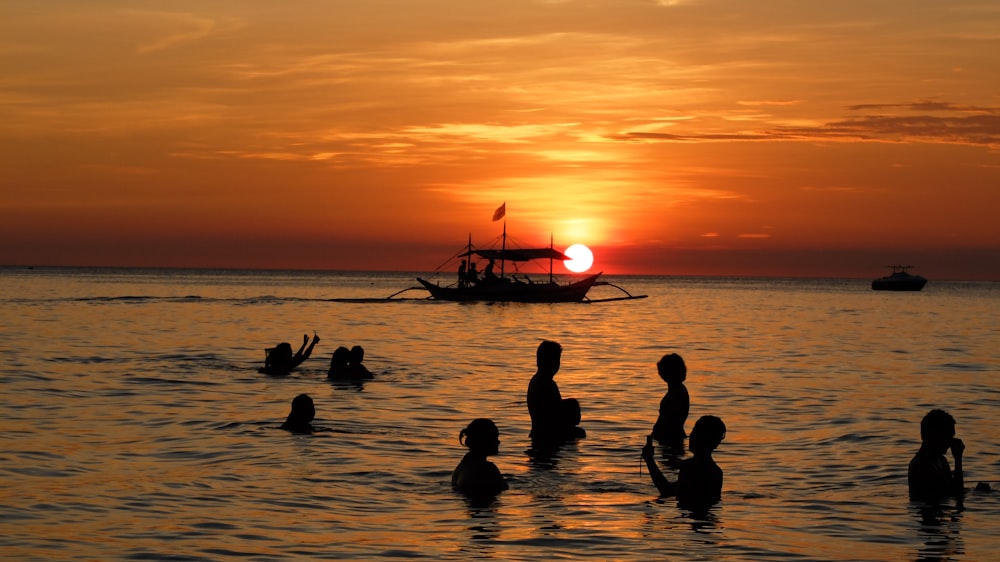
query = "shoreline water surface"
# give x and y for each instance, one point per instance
(137, 427)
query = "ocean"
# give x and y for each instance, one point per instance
(136, 427)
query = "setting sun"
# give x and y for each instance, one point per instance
(580, 258)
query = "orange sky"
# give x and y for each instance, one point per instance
(680, 137)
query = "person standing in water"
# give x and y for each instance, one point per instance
(549, 425)
(929, 476)
(669, 427)
(699, 480)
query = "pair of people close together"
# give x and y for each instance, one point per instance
(344, 364)
(555, 420)
(347, 364)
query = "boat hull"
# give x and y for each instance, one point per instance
(889, 284)
(509, 291)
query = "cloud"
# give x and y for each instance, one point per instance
(179, 28)
(916, 122)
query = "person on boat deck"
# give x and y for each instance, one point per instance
(669, 427)
(355, 365)
(302, 414)
(929, 477)
(461, 274)
(472, 276)
(549, 426)
(699, 480)
(474, 475)
(340, 364)
(280, 361)
(488, 274)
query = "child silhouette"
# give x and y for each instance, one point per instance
(476, 476)
(669, 426)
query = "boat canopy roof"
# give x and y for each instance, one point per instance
(519, 254)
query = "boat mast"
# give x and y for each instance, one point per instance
(551, 246)
(503, 245)
(468, 264)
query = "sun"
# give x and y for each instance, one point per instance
(580, 258)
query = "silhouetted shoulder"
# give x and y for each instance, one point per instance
(474, 475)
(478, 477)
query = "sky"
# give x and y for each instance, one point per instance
(672, 137)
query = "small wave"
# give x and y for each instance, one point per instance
(166, 381)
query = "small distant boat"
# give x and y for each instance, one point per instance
(899, 280)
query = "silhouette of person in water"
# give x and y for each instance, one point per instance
(929, 476)
(347, 364)
(340, 364)
(302, 414)
(355, 365)
(549, 425)
(474, 475)
(280, 361)
(699, 480)
(674, 407)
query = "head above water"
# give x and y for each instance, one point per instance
(548, 356)
(341, 356)
(481, 435)
(706, 435)
(357, 354)
(303, 410)
(280, 354)
(937, 429)
(671, 368)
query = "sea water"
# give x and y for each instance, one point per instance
(135, 425)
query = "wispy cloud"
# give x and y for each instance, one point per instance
(917, 122)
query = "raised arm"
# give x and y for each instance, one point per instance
(665, 487)
(958, 478)
(304, 352)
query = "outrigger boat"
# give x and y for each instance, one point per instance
(470, 286)
(899, 280)
(504, 288)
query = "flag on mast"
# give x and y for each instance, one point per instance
(500, 212)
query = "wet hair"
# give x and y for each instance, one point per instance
(672, 365)
(711, 431)
(937, 421)
(479, 432)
